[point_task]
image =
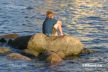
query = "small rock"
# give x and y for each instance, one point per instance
(54, 59)
(29, 8)
(9, 36)
(18, 56)
(4, 50)
(87, 51)
(2, 40)
(50, 57)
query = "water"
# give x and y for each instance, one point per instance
(85, 19)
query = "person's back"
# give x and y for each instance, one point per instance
(48, 26)
(50, 23)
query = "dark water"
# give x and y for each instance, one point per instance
(85, 19)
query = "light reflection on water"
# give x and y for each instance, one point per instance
(85, 19)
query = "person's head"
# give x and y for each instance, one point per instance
(50, 14)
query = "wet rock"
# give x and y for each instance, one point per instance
(21, 42)
(56, 47)
(43, 55)
(67, 45)
(2, 40)
(87, 51)
(54, 59)
(6, 38)
(29, 8)
(50, 57)
(9, 36)
(4, 50)
(18, 57)
(9, 41)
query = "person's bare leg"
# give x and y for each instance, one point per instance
(60, 27)
(56, 27)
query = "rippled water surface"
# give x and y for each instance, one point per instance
(85, 19)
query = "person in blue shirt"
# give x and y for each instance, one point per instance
(51, 26)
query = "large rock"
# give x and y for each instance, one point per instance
(62, 45)
(53, 59)
(52, 49)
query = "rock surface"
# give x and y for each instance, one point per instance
(7, 39)
(9, 36)
(53, 59)
(87, 51)
(62, 45)
(20, 42)
(18, 57)
(51, 49)
(4, 50)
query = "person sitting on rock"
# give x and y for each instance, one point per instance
(51, 25)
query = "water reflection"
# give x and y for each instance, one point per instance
(84, 9)
(87, 17)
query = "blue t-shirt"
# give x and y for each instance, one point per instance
(48, 26)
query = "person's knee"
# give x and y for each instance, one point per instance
(60, 22)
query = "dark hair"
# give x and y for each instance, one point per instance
(49, 14)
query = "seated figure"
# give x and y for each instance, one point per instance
(51, 26)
